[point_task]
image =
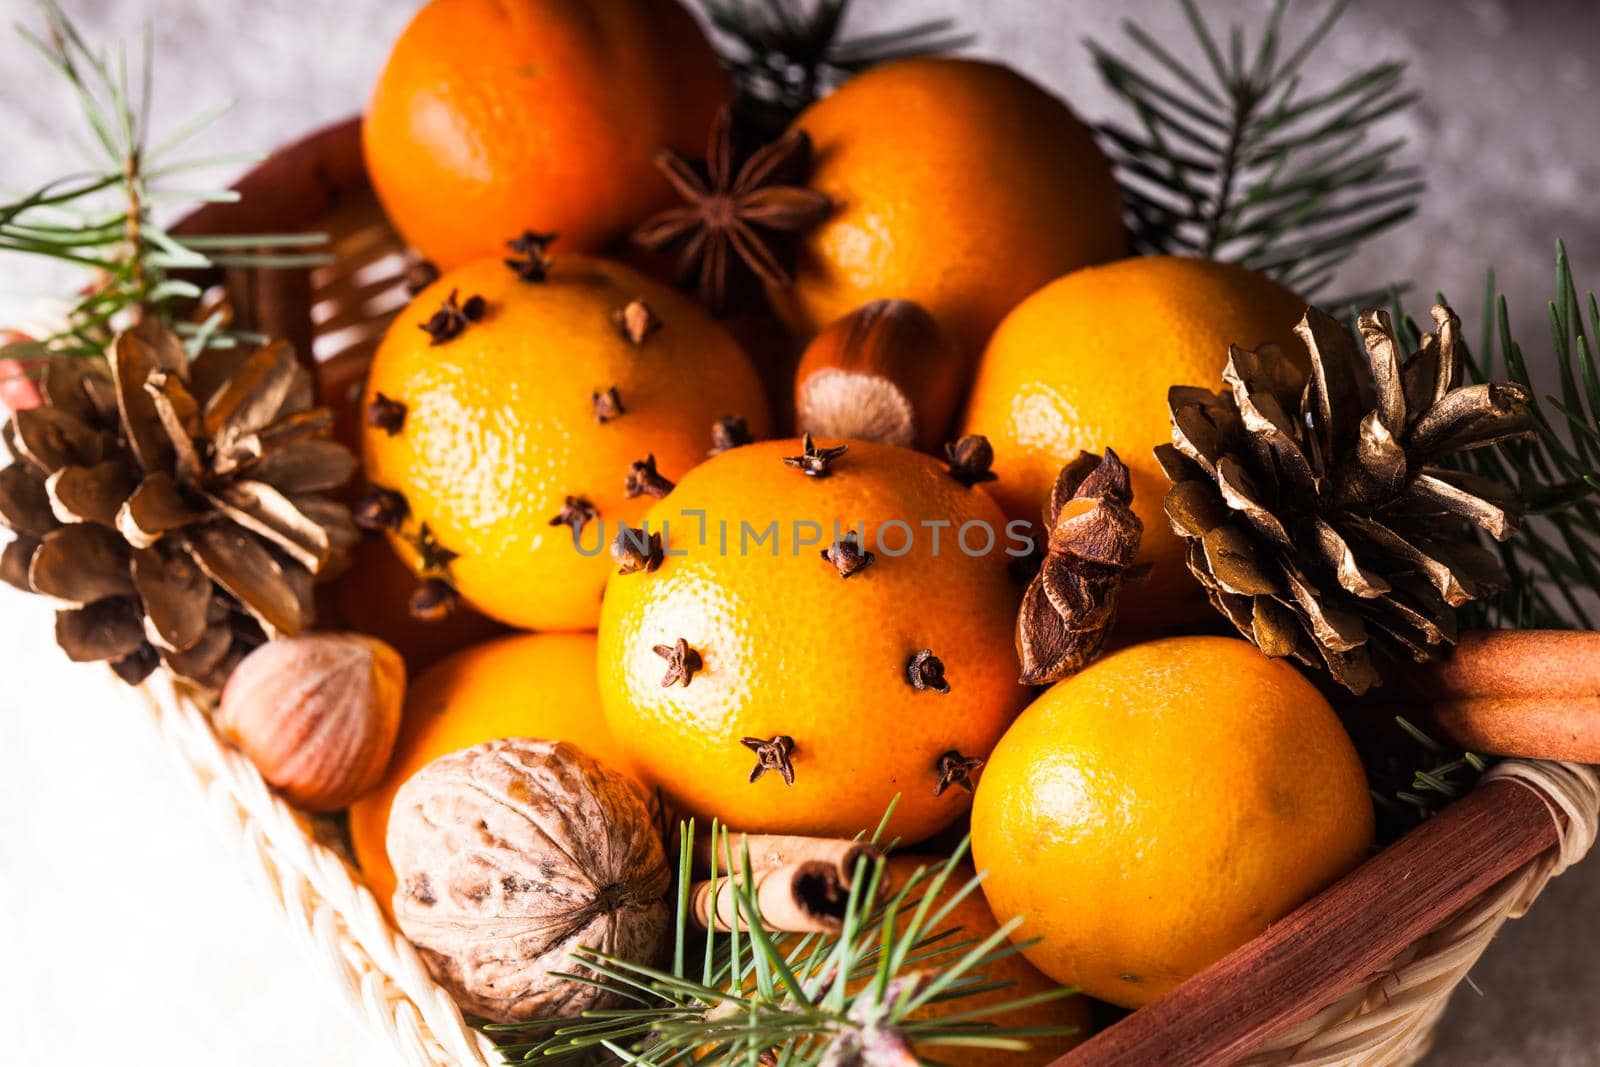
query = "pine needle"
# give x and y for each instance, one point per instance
(104, 220)
(799, 999)
(1230, 158)
(784, 54)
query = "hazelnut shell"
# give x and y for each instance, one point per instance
(317, 714)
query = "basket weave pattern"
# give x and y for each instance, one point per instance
(317, 184)
(330, 909)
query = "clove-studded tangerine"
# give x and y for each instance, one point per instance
(513, 441)
(813, 701)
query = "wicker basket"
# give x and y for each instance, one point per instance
(1358, 975)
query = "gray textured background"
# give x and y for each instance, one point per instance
(1506, 131)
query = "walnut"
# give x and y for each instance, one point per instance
(512, 854)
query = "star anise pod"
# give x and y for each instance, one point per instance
(740, 210)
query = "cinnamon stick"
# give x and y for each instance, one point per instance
(1548, 728)
(1528, 693)
(806, 897)
(768, 851)
(1515, 663)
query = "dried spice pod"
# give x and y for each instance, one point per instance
(317, 715)
(741, 208)
(815, 461)
(607, 405)
(513, 854)
(730, 431)
(1317, 511)
(683, 662)
(452, 317)
(643, 479)
(970, 459)
(885, 372)
(1071, 602)
(954, 769)
(177, 511)
(775, 753)
(532, 261)
(635, 322)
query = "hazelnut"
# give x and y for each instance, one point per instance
(513, 855)
(886, 372)
(317, 715)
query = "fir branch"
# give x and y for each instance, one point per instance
(751, 997)
(1554, 560)
(104, 219)
(784, 54)
(1232, 159)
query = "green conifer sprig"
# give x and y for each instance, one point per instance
(751, 997)
(1228, 155)
(107, 218)
(784, 54)
(1554, 560)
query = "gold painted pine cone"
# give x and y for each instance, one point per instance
(176, 511)
(1317, 512)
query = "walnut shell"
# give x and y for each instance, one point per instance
(317, 714)
(511, 854)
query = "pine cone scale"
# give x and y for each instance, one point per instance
(79, 565)
(132, 363)
(24, 503)
(80, 388)
(179, 419)
(14, 560)
(1380, 468)
(1475, 416)
(308, 466)
(1232, 557)
(89, 494)
(1337, 553)
(50, 439)
(1487, 505)
(1241, 494)
(1274, 627)
(153, 509)
(264, 511)
(176, 595)
(107, 630)
(247, 571)
(204, 656)
(253, 396)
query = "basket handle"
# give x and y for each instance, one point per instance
(1340, 938)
